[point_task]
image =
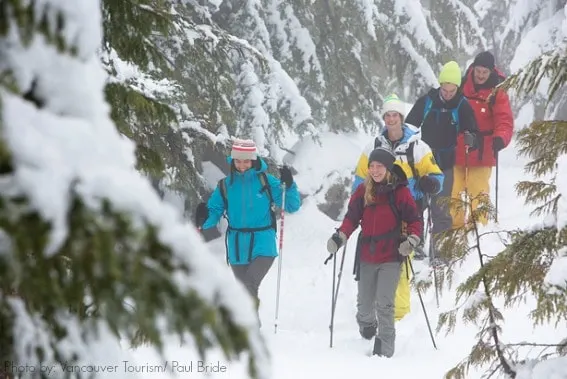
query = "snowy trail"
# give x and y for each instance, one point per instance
(300, 349)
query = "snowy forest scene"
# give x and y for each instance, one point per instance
(283, 189)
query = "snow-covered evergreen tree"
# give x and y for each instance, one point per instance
(89, 254)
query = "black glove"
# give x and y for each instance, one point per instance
(470, 140)
(286, 176)
(428, 184)
(497, 145)
(201, 215)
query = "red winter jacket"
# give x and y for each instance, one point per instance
(379, 220)
(494, 119)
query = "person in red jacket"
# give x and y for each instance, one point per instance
(496, 125)
(380, 204)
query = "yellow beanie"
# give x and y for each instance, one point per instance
(450, 73)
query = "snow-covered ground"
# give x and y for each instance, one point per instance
(300, 348)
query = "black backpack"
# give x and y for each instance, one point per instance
(408, 154)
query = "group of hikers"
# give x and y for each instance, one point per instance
(448, 142)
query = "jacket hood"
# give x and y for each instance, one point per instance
(411, 133)
(399, 173)
(258, 166)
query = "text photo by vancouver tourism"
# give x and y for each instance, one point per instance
(176, 367)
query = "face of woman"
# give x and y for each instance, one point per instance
(377, 171)
(242, 164)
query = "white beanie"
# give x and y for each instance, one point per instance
(243, 149)
(393, 103)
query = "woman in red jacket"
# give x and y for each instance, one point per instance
(379, 205)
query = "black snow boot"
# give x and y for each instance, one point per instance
(368, 332)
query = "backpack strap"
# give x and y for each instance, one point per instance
(426, 109)
(266, 187)
(411, 160)
(455, 114)
(395, 210)
(396, 232)
(222, 188)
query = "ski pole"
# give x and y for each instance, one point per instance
(467, 213)
(423, 307)
(335, 291)
(497, 165)
(432, 249)
(280, 258)
(332, 299)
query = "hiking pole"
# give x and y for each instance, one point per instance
(466, 184)
(432, 248)
(423, 307)
(335, 291)
(280, 258)
(497, 165)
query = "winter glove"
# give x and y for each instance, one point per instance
(428, 184)
(497, 145)
(408, 245)
(337, 240)
(470, 140)
(201, 215)
(286, 177)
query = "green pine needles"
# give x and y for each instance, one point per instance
(112, 276)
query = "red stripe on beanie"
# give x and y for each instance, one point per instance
(244, 148)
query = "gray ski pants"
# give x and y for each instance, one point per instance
(376, 292)
(252, 274)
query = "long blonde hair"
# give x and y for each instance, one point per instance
(370, 187)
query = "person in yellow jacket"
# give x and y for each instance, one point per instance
(416, 159)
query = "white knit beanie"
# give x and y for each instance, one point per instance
(243, 149)
(393, 103)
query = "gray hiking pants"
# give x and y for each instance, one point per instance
(440, 210)
(252, 274)
(376, 292)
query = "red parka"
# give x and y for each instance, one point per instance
(494, 119)
(379, 223)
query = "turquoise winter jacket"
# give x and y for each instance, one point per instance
(249, 208)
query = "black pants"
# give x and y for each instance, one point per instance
(439, 212)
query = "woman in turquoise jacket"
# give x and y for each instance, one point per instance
(248, 196)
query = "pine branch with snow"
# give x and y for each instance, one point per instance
(533, 261)
(90, 256)
(476, 294)
(141, 86)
